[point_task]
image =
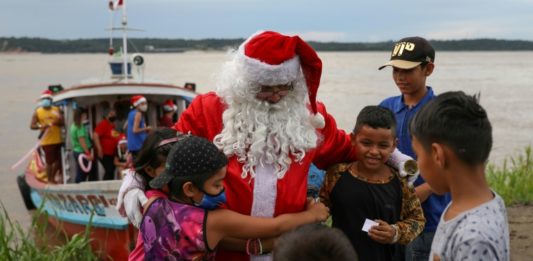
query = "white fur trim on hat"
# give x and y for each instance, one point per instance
(266, 74)
(168, 108)
(318, 121)
(139, 101)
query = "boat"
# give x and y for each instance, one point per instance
(72, 207)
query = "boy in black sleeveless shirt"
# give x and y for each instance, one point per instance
(370, 189)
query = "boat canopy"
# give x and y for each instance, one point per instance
(113, 89)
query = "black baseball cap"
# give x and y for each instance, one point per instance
(190, 156)
(410, 52)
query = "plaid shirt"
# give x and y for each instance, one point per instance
(411, 215)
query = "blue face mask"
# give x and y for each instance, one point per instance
(46, 103)
(211, 202)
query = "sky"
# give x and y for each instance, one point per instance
(316, 20)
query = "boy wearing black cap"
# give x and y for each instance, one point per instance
(413, 60)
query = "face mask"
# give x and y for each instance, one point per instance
(211, 202)
(112, 118)
(143, 107)
(46, 103)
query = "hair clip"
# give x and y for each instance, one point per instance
(167, 141)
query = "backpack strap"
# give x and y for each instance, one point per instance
(149, 203)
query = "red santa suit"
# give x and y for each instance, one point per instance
(204, 118)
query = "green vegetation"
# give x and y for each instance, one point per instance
(514, 180)
(100, 45)
(18, 244)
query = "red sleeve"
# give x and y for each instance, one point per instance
(203, 117)
(336, 146)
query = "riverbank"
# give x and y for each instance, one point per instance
(521, 230)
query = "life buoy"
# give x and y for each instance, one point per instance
(85, 168)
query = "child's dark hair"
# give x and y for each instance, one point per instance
(376, 117)
(191, 159)
(77, 116)
(176, 184)
(314, 242)
(153, 153)
(458, 121)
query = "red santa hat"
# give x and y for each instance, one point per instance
(46, 94)
(169, 106)
(270, 58)
(122, 139)
(137, 99)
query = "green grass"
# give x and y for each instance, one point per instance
(17, 244)
(514, 179)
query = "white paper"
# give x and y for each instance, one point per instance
(368, 224)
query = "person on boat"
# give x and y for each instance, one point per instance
(105, 142)
(137, 129)
(122, 158)
(190, 86)
(86, 166)
(265, 118)
(187, 225)
(169, 109)
(49, 120)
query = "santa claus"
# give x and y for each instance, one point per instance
(264, 116)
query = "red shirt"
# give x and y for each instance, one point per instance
(108, 137)
(166, 122)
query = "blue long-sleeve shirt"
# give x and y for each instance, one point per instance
(435, 204)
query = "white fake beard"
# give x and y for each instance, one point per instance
(258, 132)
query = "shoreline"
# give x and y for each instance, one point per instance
(520, 218)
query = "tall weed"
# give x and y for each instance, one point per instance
(16, 244)
(514, 179)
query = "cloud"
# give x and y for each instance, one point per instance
(320, 36)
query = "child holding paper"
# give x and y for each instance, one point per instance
(369, 190)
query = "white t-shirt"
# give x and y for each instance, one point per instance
(481, 233)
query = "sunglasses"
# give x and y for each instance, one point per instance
(268, 91)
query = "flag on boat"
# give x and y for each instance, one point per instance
(113, 5)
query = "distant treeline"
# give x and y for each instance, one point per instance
(43, 45)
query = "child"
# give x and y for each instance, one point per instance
(314, 242)
(122, 155)
(370, 189)
(412, 61)
(185, 227)
(150, 163)
(452, 137)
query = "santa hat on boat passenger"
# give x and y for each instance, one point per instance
(46, 94)
(122, 139)
(169, 106)
(137, 99)
(270, 58)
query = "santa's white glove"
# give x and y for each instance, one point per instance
(131, 197)
(406, 166)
